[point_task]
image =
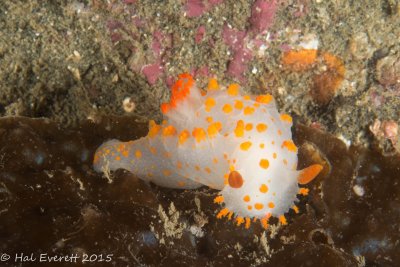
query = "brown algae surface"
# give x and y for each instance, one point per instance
(96, 70)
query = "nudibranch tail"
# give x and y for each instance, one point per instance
(145, 157)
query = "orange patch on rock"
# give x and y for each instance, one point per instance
(300, 60)
(325, 84)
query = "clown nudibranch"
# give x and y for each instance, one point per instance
(237, 144)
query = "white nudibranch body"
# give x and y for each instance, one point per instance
(238, 144)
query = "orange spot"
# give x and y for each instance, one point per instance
(215, 160)
(208, 170)
(227, 108)
(219, 199)
(296, 209)
(264, 99)
(248, 127)
(209, 119)
(238, 104)
(246, 97)
(285, 161)
(261, 127)
(222, 213)
(274, 155)
(199, 134)
(167, 172)
(233, 89)
(197, 168)
(165, 108)
(209, 103)
(249, 207)
(271, 205)
(183, 136)
(303, 191)
(289, 145)
(262, 145)
(246, 198)
(153, 150)
(279, 132)
(264, 188)
(239, 221)
(282, 220)
(235, 179)
(258, 206)
(213, 84)
(153, 128)
(239, 130)
(245, 146)
(180, 90)
(299, 60)
(125, 153)
(308, 174)
(264, 222)
(118, 158)
(181, 183)
(214, 128)
(120, 147)
(179, 165)
(286, 118)
(138, 154)
(169, 131)
(264, 163)
(247, 224)
(248, 111)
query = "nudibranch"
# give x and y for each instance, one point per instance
(237, 144)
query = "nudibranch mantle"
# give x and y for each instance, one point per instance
(237, 144)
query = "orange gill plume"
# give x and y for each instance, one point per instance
(179, 91)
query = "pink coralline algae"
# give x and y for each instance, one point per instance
(262, 15)
(235, 39)
(201, 31)
(150, 60)
(155, 70)
(152, 72)
(196, 8)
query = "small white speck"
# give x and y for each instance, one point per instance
(128, 104)
(346, 141)
(254, 70)
(358, 190)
